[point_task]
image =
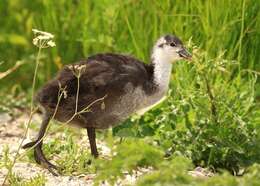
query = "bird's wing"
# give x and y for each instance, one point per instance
(104, 75)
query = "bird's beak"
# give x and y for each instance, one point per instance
(184, 53)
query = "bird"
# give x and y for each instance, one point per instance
(104, 90)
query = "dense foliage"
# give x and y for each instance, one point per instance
(86, 27)
(208, 117)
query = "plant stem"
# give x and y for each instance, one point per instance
(17, 151)
(30, 117)
(241, 35)
(35, 76)
(77, 96)
(212, 100)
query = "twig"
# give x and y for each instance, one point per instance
(212, 99)
(4, 74)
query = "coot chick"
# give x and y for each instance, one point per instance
(112, 86)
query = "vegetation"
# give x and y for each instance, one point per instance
(211, 117)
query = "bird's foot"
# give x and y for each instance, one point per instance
(40, 159)
(53, 169)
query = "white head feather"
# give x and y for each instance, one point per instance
(167, 50)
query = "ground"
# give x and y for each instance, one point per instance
(11, 132)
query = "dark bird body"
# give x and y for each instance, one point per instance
(111, 76)
(111, 86)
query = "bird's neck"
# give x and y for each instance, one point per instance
(162, 70)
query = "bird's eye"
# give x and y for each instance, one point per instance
(173, 44)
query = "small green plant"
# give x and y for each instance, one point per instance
(169, 172)
(14, 179)
(73, 159)
(38, 180)
(174, 172)
(130, 155)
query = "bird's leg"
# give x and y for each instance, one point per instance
(38, 153)
(41, 159)
(92, 141)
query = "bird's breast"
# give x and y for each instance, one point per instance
(134, 100)
(151, 105)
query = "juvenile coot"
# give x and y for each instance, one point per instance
(112, 86)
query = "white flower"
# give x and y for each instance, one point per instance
(77, 70)
(36, 41)
(51, 44)
(43, 39)
(47, 34)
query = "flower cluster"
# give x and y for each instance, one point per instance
(77, 69)
(43, 39)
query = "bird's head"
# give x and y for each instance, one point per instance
(170, 48)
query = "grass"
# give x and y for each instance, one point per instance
(211, 116)
(13, 178)
(84, 28)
